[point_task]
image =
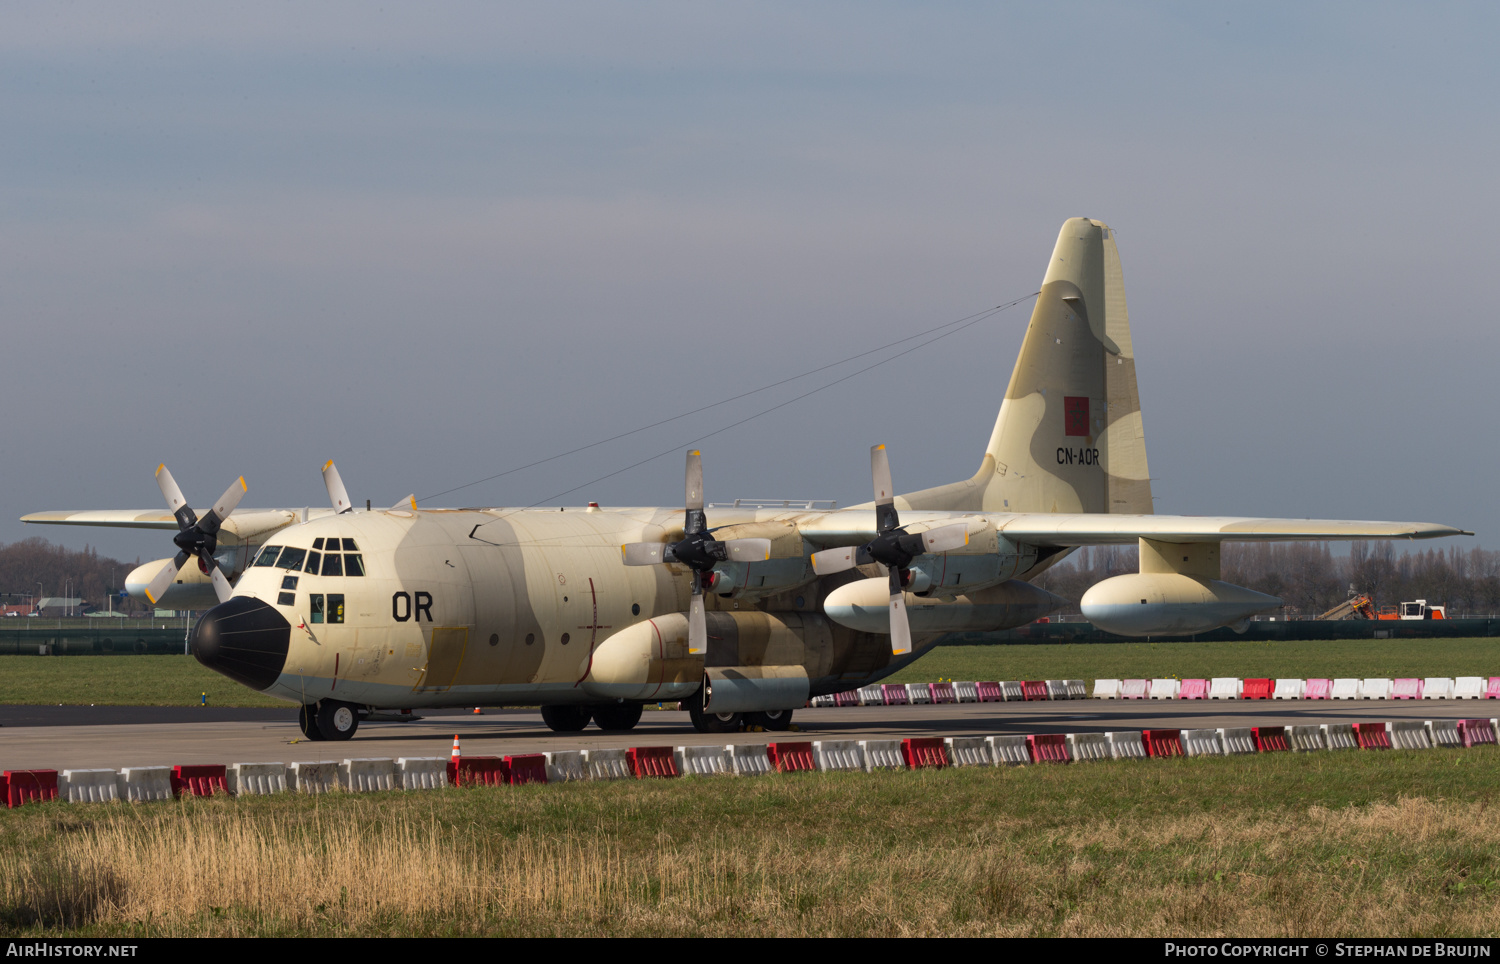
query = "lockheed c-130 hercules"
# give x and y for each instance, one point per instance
(594, 612)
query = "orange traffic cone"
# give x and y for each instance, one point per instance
(478, 711)
(456, 755)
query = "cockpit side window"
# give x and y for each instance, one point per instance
(312, 563)
(267, 556)
(354, 565)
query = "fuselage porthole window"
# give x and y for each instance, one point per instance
(315, 607)
(335, 607)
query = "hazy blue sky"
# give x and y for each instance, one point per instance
(435, 242)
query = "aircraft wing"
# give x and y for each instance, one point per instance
(856, 525)
(1093, 529)
(243, 525)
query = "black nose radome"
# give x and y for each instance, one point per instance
(245, 639)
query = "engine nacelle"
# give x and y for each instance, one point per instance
(1170, 603)
(650, 661)
(865, 606)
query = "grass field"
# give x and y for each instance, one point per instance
(179, 680)
(1356, 843)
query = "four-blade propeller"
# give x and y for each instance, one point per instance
(195, 536)
(894, 548)
(698, 550)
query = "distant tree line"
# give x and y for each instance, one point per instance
(1307, 576)
(1310, 579)
(35, 567)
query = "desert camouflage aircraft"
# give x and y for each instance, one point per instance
(742, 613)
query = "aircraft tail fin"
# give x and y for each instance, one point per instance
(1069, 436)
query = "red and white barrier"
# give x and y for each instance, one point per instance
(1237, 740)
(1088, 746)
(968, 751)
(1318, 689)
(257, 779)
(1406, 689)
(368, 774)
(1193, 689)
(791, 756)
(882, 755)
(1375, 688)
(1256, 689)
(1202, 743)
(1444, 733)
(703, 761)
(1289, 689)
(1134, 689)
(422, 772)
(1305, 738)
(319, 777)
(1468, 688)
(88, 786)
(1408, 735)
(1340, 736)
(1009, 750)
(565, 766)
(1225, 688)
(1345, 689)
(1126, 744)
(1106, 689)
(838, 755)
(1165, 689)
(609, 764)
(749, 760)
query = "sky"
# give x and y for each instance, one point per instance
(440, 242)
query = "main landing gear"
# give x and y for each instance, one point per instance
(328, 720)
(618, 717)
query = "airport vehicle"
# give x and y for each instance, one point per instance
(1416, 609)
(741, 612)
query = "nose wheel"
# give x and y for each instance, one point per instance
(328, 720)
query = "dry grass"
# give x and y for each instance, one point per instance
(1001, 853)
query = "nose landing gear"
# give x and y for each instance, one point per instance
(328, 720)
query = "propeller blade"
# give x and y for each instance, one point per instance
(697, 623)
(338, 496)
(885, 494)
(643, 553)
(221, 584)
(900, 626)
(225, 505)
(945, 539)
(748, 550)
(186, 517)
(162, 581)
(834, 560)
(408, 504)
(695, 480)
